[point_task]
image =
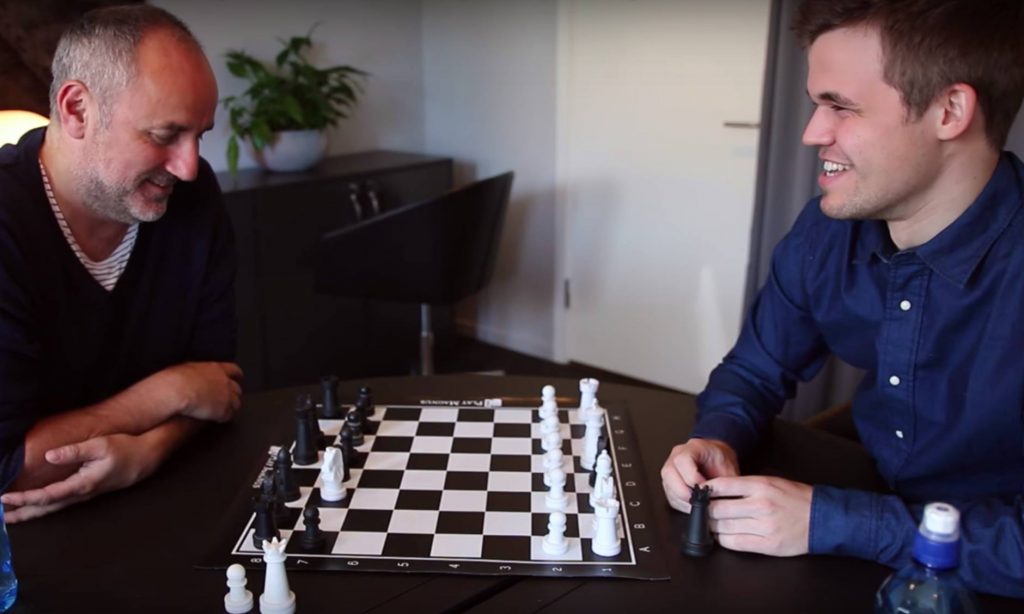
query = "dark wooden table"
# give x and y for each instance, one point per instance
(136, 550)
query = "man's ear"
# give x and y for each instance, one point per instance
(956, 111)
(76, 107)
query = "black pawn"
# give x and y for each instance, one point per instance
(286, 486)
(344, 455)
(697, 541)
(355, 426)
(305, 437)
(312, 537)
(365, 401)
(331, 408)
(348, 446)
(274, 499)
(265, 525)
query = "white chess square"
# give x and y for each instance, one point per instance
(516, 415)
(373, 498)
(577, 447)
(439, 414)
(463, 501)
(413, 521)
(387, 460)
(359, 542)
(586, 523)
(457, 546)
(432, 445)
(582, 482)
(469, 462)
(539, 504)
(574, 553)
(507, 523)
(474, 429)
(397, 428)
(331, 519)
(509, 481)
(511, 445)
(537, 463)
(422, 479)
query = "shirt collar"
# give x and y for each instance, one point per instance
(956, 251)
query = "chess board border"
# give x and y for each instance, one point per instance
(641, 557)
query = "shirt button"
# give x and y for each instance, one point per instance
(894, 380)
(899, 434)
(905, 305)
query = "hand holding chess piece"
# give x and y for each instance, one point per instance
(697, 540)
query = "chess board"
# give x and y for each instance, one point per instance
(457, 487)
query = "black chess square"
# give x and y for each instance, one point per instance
(577, 431)
(539, 486)
(435, 429)
(315, 500)
(471, 445)
(476, 415)
(506, 547)
(376, 521)
(380, 478)
(511, 462)
(466, 480)
(418, 500)
(402, 413)
(408, 545)
(461, 523)
(508, 501)
(512, 430)
(388, 443)
(424, 460)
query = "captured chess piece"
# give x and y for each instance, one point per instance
(277, 597)
(238, 600)
(697, 541)
(330, 409)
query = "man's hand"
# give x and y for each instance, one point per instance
(212, 390)
(693, 463)
(107, 463)
(770, 516)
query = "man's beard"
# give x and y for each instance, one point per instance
(112, 201)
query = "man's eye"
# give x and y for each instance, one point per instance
(162, 138)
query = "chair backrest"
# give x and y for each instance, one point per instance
(437, 251)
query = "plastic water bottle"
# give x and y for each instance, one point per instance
(8, 583)
(930, 583)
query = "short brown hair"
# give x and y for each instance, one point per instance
(929, 45)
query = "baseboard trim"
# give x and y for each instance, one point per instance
(524, 344)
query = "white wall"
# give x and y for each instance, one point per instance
(381, 37)
(489, 71)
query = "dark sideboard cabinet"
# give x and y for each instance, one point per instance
(289, 335)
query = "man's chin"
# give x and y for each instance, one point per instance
(149, 211)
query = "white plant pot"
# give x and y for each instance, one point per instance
(293, 150)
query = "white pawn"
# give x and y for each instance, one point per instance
(588, 394)
(239, 599)
(553, 459)
(551, 441)
(595, 422)
(606, 528)
(556, 498)
(604, 486)
(554, 542)
(550, 425)
(548, 404)
(332, 475)
(277, 598)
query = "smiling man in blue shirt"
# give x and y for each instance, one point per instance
(910, 266)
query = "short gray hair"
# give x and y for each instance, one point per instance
(99, 50)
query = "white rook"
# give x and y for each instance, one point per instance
(277, 598)
(606, 528)
(588, 394)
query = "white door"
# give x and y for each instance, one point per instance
(658, 191)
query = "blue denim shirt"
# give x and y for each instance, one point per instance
(940, 331)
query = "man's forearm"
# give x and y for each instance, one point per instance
(133, 411)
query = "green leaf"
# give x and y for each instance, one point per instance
(233, 154)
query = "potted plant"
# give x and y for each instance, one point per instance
(285, 111)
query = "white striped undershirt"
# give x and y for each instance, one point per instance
(105, 272)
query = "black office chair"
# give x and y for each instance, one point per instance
(438, 251)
